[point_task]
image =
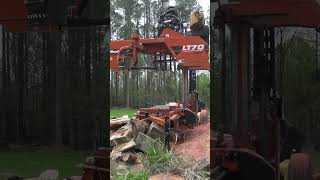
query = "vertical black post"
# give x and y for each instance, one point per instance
(56, 11)
(212, 72)
(223, 76)
(21, 57)
(192, 81)
(4, 85)
(56, 18)
(167, 134)
(317, 54)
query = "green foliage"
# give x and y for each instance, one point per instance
(203, 88)
(32, 163)
(300, 87)
(125, 18)
(121, 112)
(161, 161)
(113, 169)
(158, 160)
(185, 7)
(117, 19)
(299, 80)
(128, 174)
(156, 154)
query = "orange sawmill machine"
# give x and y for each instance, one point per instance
(172, 49)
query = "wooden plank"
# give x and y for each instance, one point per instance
(117, 123)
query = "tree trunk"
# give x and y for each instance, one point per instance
(27, 121)
(4, 85)
(70, 83)
(127, 84)
(88, 40)
(54, 63)
(117, 89)
(20, 81)
(45, 123)
(138, 92)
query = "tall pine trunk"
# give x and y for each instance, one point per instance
(54, 58)
(20, 82)
(4, 85)
(127, 87)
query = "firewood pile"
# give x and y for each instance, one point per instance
(128, 137)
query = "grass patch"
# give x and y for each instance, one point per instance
(157, 154)
(133, 175)
(161, 161)
(121, 112)
(158, 160)
(113, 169)
(28, 164)
(128, 174)
(140, 175)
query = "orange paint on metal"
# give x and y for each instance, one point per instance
(155, 110)
(277, 13)
(158, 120)
(191, 51)
(174, 117)
(13, 15)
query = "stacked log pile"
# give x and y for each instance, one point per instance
(128, 137)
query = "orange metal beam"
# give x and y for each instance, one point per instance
(191, 50)
(277, 12)
(13, 15)
(158, 120)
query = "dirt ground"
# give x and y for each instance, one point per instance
(197, 144)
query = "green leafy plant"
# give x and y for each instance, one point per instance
(157, 154)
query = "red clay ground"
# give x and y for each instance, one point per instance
(197, 144)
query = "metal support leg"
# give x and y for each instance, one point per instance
(192, 81)
(184, 87)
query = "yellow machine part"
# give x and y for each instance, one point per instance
(202, 116)
(197, 19)
(194, 18)
(198, 117)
